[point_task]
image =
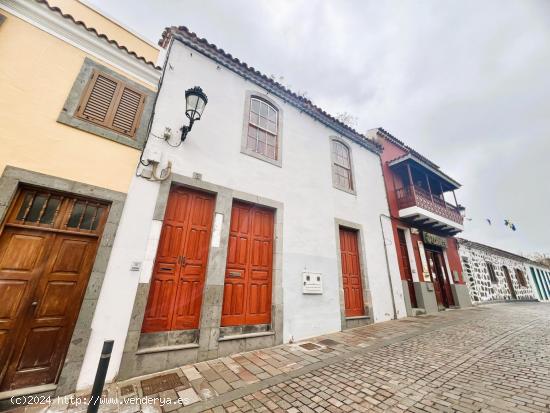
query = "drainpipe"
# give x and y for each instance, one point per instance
(388, 262)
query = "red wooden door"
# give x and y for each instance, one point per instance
(248, 274)
(47, 250)
(405, 264)
(351, 273)
(175, 295)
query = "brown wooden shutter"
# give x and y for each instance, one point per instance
(128, 111)
(111, 103)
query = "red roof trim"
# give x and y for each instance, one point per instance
(211, 50)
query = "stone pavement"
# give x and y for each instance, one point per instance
(493, 358)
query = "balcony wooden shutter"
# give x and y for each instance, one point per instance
(111, 103)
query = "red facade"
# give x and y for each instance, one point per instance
(425, 216)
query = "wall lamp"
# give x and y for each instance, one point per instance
(195, 100)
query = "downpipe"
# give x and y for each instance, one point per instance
(386, 243)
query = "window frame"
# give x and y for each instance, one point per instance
(491, 271)
(353, 188)
(80, 87)
(520, 277)
(115, 102)
(246, 122)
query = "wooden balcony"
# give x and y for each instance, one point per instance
(413, 200)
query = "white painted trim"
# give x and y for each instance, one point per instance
(447, 266)
(416, 210)
(41, 17)
(410, 250)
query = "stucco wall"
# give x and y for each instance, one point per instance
(36, 77)
(303, 185)
(105, 25)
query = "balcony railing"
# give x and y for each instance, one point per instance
(415, 196)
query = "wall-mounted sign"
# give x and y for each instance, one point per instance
(433, 239)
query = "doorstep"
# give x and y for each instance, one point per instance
(25, 391)
(246, 335)
(160, 349)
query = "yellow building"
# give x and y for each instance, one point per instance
(77, 92)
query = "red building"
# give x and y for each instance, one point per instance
(425, 218)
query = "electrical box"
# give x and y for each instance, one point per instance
(312, 282)
(152, 155)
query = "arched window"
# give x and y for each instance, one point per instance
(521, 278)
(341, 166)
(263, 128)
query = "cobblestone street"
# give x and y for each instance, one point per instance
(493, 358)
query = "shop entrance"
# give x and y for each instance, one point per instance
(438, 272)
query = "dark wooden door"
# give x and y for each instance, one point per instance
(509, 282)
(351, 273)
(175, 295)
(445, 279)
(47, 249)
(406, 266)
(248, 274)
(435, 259)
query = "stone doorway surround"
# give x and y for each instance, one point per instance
(10, 181)
(352, 322)
(167, 349)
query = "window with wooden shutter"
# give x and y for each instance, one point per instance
(111, 103)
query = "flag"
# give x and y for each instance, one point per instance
(510, 224)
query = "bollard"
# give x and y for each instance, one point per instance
(100, 374)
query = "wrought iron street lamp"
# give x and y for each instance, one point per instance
(195, 100)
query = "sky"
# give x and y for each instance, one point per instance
(466, 83)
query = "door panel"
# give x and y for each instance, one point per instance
(351, 273)
(46, 255)
(21, 252)
(248, 277)
(175, 295)
(437, 271)
(509, 282)
(406, 266)
(50, 321)
(445, 277)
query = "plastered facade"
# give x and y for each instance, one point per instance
(307, 208)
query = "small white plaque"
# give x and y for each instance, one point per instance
(312, 282)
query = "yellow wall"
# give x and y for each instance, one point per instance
(105, 26)
(36, 75)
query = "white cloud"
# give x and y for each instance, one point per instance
(464, 82)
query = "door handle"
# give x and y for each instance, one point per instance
(182, 260)
(34, 303)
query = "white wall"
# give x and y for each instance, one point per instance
(303, 185)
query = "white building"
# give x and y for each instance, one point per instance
(493, 274)
(272, 218)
